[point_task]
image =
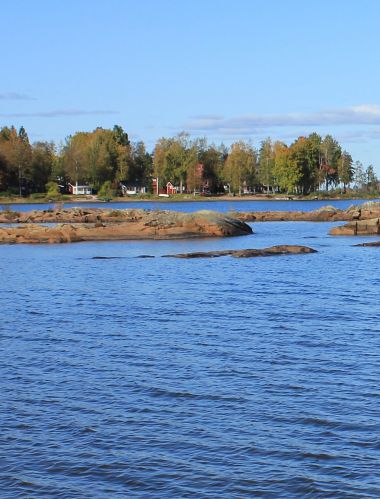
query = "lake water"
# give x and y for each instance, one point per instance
(188, 206)
(168, 378)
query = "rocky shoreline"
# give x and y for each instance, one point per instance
(95, 224)
(131, 224)
(364, 211)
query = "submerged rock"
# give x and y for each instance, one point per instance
(248, 253)
(373, 244)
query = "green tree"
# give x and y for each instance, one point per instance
(140, 164)
(120, 136)
(311, 174)
(240, 166)
(194, 170)
(287, 170)
(172, 158)
(75, 158)
(360, 176)
(43, 158)
(52, 189)
(300, 177)
(106, 191)
(102, 157)
(371, 178)
(24, 157)
(266, 164)
(95, 157)
(212, 160)
(160, 162)
(16, 153)
(345, 169)
(123, 152)
(330, 155)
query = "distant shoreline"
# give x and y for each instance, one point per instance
(179, 199)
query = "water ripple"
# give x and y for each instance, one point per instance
(156, 378)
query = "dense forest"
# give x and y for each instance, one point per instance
(106, 160)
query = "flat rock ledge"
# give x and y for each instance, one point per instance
(139, 224)
(369, 227)
(365, 211)
(248, 253)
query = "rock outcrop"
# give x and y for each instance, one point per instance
(369, 227)
(364, 211)
(137, 224)
(92, 215)
(248, 253)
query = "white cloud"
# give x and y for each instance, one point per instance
(207, 117)
(365, 114)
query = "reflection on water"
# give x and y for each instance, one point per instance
(191, 378)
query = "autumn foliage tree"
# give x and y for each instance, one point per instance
(240, 166)
(106, 157)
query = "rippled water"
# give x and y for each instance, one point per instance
(221, 206)
(160, 377)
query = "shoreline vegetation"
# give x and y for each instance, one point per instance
(105, 163)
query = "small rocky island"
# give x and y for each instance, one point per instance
(281, 249)
(111, 225)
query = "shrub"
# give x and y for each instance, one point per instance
(38, 195)
(6, 194)
(52, 189)
(106, 191)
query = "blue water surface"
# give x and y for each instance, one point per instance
(189, 206)
(160, 377)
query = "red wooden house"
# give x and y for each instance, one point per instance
(168, 190)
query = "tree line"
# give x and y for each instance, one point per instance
(106, 159)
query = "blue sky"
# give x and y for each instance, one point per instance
(222, 69)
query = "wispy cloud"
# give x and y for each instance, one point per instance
(207, 117)
(15, 96)
(59, 113)
(366, 114)
(359, 136)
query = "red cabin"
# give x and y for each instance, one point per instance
(170, 189)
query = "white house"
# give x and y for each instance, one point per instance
(80, 189)
(130, 190)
